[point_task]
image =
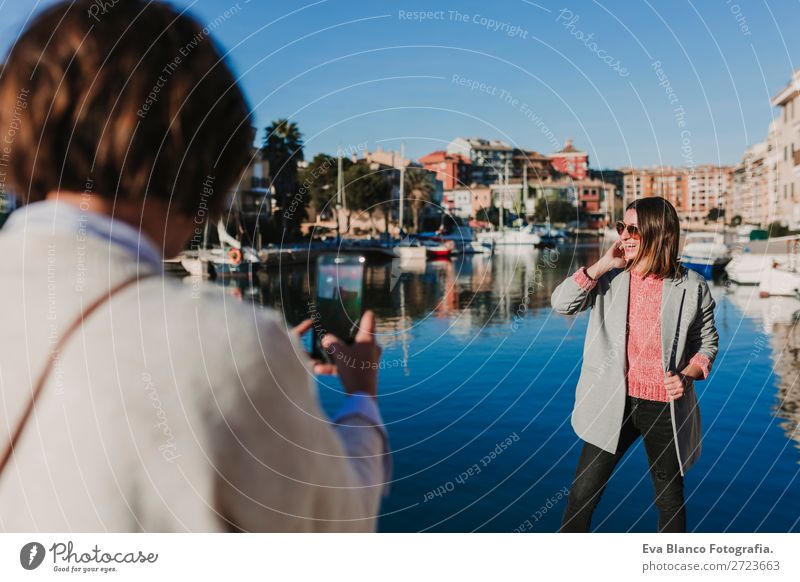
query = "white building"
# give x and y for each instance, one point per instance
(754, 191)
(488, 157)
(709, 188)
(461, 202)
(787, 150)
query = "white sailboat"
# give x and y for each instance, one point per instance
(523, 235)
(230, 257)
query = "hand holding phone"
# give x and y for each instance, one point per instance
(357, 363)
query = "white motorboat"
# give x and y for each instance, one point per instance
(748, 268)
(410, 250)
(524, 235)
(705, 252)
(756, 260)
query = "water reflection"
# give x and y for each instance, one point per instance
(779, 335)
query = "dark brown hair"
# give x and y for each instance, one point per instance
(127, 102)
(660, 231)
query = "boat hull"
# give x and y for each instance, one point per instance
(435, 253)
(411, 253)
(707, 268)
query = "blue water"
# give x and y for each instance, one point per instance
(476, 362)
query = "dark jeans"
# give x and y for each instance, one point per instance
(652, 421)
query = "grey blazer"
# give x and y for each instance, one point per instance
(687, 327)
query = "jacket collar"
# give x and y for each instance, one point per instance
(52, 216)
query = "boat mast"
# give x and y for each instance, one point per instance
(525, 187)
(339, 192)
(402, 186)
(503, 193)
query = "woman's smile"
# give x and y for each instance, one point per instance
(630, 242)
(630, 247)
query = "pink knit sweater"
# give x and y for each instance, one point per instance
(645, 374)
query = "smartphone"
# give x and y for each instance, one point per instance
(338, 300)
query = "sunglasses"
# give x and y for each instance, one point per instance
(632, 229)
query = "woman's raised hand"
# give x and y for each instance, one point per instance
(613, 258)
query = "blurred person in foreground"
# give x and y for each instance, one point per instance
(159, 408)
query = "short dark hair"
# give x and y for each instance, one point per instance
(660, 230)
(135, 101)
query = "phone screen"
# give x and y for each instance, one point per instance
(338, 299)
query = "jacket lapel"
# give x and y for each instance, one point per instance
(619, 303)
(673, 292)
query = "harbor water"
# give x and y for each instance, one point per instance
(477, 385)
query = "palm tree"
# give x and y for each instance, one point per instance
(419, 187)
(283, 149)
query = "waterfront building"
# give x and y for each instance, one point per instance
(488, 158)
(613, 177)
(382, 158)
(481, 200)
(753, 193)
(530, 165)
(592, 197)
(787, 145)
(694, 191)
(473, 172)
(460, 202)
(666, 181)
(571, 161)
(452, 170)
(709, 188)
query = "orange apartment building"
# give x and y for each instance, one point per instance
(693, 191)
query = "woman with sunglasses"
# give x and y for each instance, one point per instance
(651, 334)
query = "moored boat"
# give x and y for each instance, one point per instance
(524, 235)
(705, 252)
(438, 248)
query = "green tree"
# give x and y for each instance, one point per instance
(283, 149)
(366, 189)
(491, 214)
(776, 229)
(715, 214)
(554, 211)
(419, 188)
(319, 180)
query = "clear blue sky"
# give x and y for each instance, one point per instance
(354, 72)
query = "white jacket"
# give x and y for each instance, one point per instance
(171, 406)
